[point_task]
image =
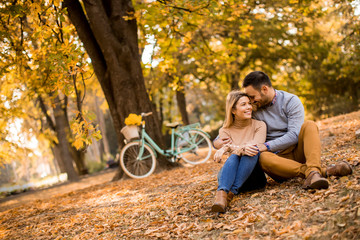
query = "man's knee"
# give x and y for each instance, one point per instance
(311, 125)
(269, 164)
(267, 160)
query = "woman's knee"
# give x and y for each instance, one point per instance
(233, 159)
(249, 161)
(250, 158)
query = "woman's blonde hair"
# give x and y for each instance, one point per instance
(231, 100)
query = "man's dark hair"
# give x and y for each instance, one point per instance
(256, 79)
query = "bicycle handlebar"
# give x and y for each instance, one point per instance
(146, 114)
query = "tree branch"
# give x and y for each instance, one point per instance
(184, 9)
(44, 110)
(79, 19)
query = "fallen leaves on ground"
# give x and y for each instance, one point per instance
(176, 204)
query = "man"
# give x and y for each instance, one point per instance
(292, 147)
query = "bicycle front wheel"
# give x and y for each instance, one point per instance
(132, 165)
(198, 145)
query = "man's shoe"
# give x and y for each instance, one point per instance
(315, 181)
(340, 169)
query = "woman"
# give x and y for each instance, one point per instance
(238, 136)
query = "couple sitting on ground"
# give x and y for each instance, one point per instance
(273, 139)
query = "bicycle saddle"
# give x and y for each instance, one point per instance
(173, 125)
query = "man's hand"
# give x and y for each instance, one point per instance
(261, 147)
(220, 142)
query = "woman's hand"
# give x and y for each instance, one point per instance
(219, 153)
(251, 150)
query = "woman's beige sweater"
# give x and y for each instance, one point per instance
(243, 133)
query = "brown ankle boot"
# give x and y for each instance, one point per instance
(315, 181)
(220, 202)
(230, 197)
(340, 169)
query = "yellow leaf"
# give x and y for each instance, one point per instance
(344, 179)
(237, 231)
(78, 143)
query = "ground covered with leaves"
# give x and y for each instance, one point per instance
(176, 204)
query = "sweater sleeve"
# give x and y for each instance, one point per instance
(260, 132)
(295, 114)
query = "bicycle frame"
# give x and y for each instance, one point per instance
(146, 139)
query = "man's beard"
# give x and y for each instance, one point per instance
(264, 102)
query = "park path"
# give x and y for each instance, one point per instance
(30, 196)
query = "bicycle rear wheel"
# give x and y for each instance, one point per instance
(134, 167)
(199, 146)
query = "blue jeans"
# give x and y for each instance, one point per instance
(241, 173)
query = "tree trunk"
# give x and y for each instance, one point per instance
(78, 155)
(105, 141)
(63, 147)
(169, 114)
(79, 159)
(161, 108)
(55, 166)
(62, 133)
(234, 81)
(354, 91)
(181, 102)
(93, 152)
(109, 34)
(57, 158)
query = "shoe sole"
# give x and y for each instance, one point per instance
(320, 184)
(218, 208)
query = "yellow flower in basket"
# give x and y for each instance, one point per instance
(133, 119)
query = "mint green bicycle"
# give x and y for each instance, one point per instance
(138, 157)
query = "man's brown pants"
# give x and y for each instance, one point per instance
(298, 160)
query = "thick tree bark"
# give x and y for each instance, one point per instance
(354, 93)
(79, 159)
(78, 155)
(57, 156)
(161, 108)
(60, 116)
(234, 81)
(105, 141)
(181, 102)
(62, 135)
(109, 34)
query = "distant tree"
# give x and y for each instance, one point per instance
(39, 65)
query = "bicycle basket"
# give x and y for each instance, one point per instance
(130, 132)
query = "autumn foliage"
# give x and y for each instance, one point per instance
(176, 204)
